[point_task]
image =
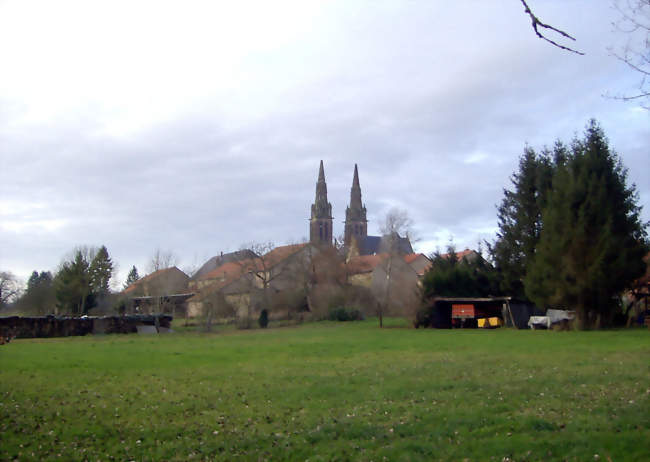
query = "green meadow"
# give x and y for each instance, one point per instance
(329, 391)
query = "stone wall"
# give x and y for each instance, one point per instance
(53, 326)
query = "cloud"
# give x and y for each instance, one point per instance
(199, 126)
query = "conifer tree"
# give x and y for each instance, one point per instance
(39, 295)
(593, 241)
(101, 271)
(450, 277)
(72, 286)
(132, 277)
(520, 217)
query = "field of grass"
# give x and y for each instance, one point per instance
(329, 391)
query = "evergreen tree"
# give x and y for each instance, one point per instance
(451, 277)
(132, 277)
(73, 286)
(39, 296)
(592, 243)
(520, 217)
(101, 270)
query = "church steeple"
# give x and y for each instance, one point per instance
(356, 224)
(320, 223)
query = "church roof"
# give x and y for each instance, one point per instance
(371, 245)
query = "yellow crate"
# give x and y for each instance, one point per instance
(490, 322)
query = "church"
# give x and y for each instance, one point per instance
(356, 239)
(248, 280)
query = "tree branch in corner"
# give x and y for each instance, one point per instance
(537, 24)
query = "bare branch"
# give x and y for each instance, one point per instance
(634, 23)
(10, 288)
(536, 23)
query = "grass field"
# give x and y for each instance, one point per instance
(328, 391)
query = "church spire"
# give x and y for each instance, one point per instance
(320, 223)
(356, 224)
(355, 192)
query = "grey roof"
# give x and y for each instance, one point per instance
(218, 260)
(371, 245)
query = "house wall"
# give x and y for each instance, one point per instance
(362, 280)
(404, 294)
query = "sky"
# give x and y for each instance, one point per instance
(198, 127)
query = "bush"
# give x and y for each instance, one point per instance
(264, 319)
(436, 315)
(345, 314)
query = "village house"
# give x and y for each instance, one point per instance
(163, 291)
(246, 281)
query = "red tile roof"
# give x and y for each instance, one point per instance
(281, 253)
(460, 255)
(149, 277)
(364, 263)
(269, 260)
(231, 272)
(227, 270)
(413, 258)
(410, 258)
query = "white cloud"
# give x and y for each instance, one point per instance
(197, 126)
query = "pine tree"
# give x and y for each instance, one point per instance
(73, 286)
(132, 277)
(101, 270)
(39, 296)
(592, 243)
(520, 217)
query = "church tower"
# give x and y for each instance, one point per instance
(320, 224)
(356, 224)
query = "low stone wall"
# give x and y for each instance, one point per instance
(54, 326)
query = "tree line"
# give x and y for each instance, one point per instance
(570, 235)
(81, 283)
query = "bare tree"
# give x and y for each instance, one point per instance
(193, 267)
(215, 306)
(162, 259)
(634, 22)
(10, 288)
(396, 223)
(262, 268)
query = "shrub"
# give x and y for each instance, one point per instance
(264, 319)
(436, 315)
(345, 314)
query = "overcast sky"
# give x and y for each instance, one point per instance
(198, 126)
